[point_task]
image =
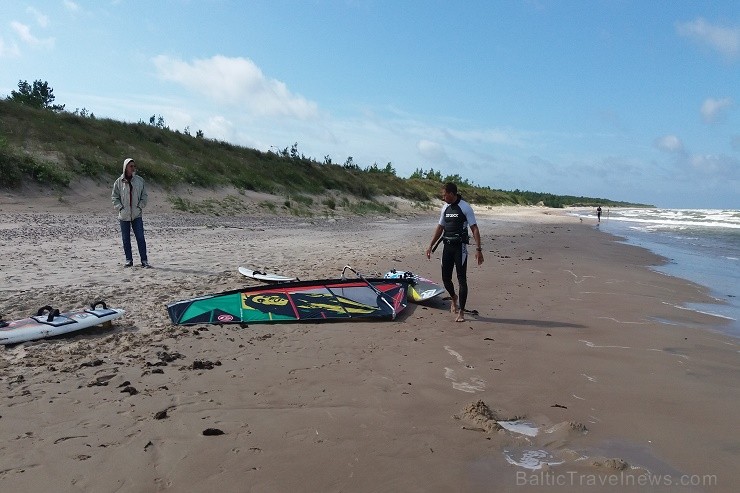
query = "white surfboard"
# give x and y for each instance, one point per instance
(421, 288)
(48, 322)
(264, 276)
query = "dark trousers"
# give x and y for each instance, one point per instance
(455, 256)
(138, 226)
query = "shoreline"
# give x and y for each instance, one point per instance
(567, 339)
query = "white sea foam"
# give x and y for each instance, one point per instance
(679, 218)
(520, 426)
(674, 218)
(454, 353)
(711, 314)
(531, 459)
(591, 344)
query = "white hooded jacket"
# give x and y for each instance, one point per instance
(129, 197)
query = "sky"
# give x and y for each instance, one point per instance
(627, 100)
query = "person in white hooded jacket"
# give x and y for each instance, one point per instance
(129, 197)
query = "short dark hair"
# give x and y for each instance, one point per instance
(450, 187)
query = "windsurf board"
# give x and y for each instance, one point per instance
(48, 322)
(264, 276)
(420, 288)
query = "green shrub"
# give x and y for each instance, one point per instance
(11, 175)
(45, 173)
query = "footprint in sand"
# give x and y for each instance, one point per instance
(471, 384)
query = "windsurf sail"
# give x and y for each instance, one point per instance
(381, 296)
(332, 299)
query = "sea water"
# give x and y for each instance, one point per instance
(701, 245)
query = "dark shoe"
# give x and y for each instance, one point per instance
(129, 263)
(146, 265)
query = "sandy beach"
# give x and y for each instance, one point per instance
(581, 371)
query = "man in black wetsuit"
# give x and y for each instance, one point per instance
(454, 220)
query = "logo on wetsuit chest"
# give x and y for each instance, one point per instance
(454, 218)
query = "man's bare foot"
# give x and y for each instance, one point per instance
(460, 316)
(453, 307)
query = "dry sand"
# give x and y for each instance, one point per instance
(575, 337)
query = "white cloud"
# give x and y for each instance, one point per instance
(236, 82)
(489, 136)
(41, 18)
(24, 33)
(219, 128)
(725, 40)
(712, 110)
(432, 151)
(669, 143)
(71, 6)
(720, 165)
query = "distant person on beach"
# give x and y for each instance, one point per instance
(129, 197)
(598, 213)
(452, 229)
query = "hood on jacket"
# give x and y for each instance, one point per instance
(125, 163)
